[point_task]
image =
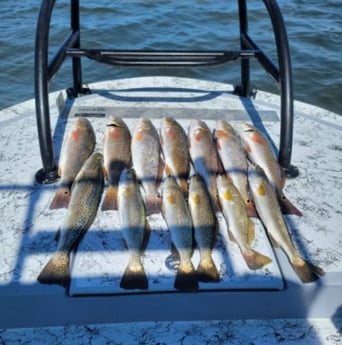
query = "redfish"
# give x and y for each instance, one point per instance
(78, 145)
(84, 201)
(117, 156)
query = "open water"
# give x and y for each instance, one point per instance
(314, 29)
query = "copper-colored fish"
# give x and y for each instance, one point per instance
(84, 201)
(117, 156)
(241, 227)
(204, 156)
(234, 160)
(269, 211)
(175, 148)
(260, 152)
(146, 157)
(78, 145)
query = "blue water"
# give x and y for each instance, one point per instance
(314, 29)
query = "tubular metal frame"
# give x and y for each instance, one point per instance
(45, 70)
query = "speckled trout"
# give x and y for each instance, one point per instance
(268, 208)
(135, 229)
(117, 156)
(260, 152)
(205, 228)
(78, 145)
(178, 219)
(204, 156)
(234, 160)
(85, 198)
(241, 227)
(146, 157)
(175, 148)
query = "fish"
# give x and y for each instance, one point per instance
(78, 144)
(205, 228)
(178, 219)
(269, 211)
(85, 198)
(204, 156)
(117, 156)
(175, 147)
(234, 160)
(146, 158)
(260, 152)
(135, 229)
(241, 228)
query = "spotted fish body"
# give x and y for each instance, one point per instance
(234, 160)
(146, 157)
(135, 229)
(117, 156)
(175, 149)
(78, 145)
(178, 219)
(85, 198)
(268, 208)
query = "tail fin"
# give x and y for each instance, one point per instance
(287, 207)
(61, 198)
(255, 260)
(306, 271)
(207, 271)
(110, 200)
(134, 276)
(186, 277)
(56, 271)
(153, 204)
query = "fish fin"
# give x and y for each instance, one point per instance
(251, 211)
(207, 271)
(153, 204)
(186, 277)
(306, 271)
(134, 276)
(255, 260)
(61, 198)
(287, 207)
(57, 270)
(250, 231)
(110, 200)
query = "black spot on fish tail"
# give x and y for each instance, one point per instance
(306, 271)
(186, 278)
(134, 277)
(207, 271)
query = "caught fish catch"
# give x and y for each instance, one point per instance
(178, 219)
(205, 228)
(204, 156)
(84, 201)
(117, 156)
(260, 152)
(241, 227)
(146, 157)
(234, 160)
(175, 148)
(269, 212)
(78, 145)
(135, 229)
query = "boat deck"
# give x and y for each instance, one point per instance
(29, 226)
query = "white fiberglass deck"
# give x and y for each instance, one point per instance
(29, 226)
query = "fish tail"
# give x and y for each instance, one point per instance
(56, 271)
(184, 186)
(110, 200)
(153, 204)
(255, 260)
(288, 208)
(207, 271)
(61, 198)
(134, 276)
(186, 277)
(306, 271)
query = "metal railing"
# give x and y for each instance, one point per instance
(45, 70)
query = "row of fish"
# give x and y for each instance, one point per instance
(225, 180)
